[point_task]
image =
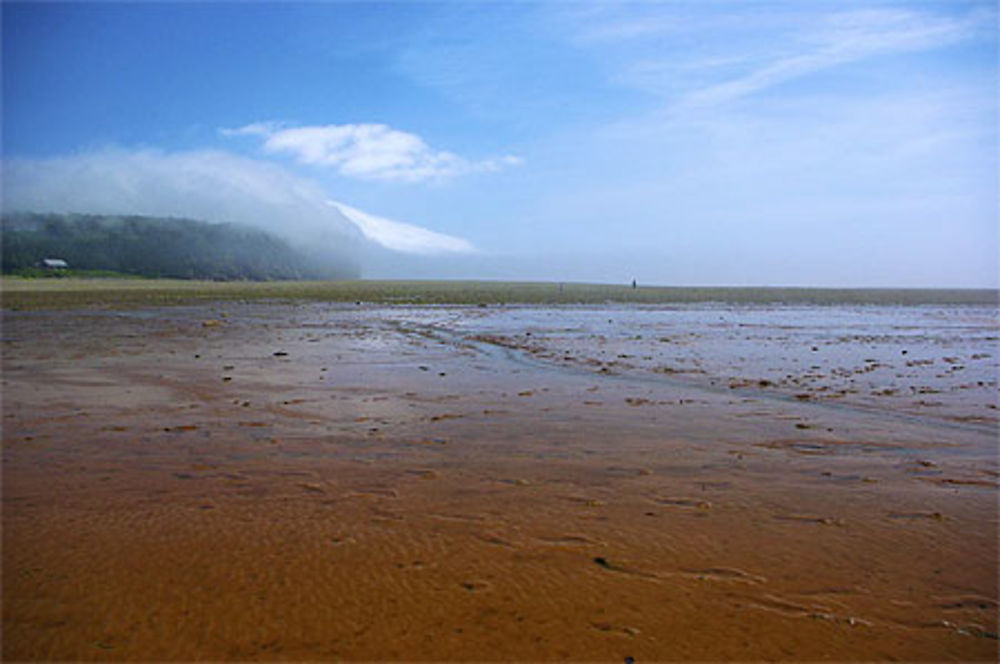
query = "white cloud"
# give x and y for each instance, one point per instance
(253, 129)
(368, 151)
(403, 237)
(701, 54)
(845, 38)
(203, 184)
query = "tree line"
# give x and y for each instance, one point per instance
(155, 247)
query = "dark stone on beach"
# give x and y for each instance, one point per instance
(279, 353)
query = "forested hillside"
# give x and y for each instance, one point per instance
(155, 247)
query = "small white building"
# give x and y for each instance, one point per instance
(53, 264)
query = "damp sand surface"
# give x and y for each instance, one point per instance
(325, 481)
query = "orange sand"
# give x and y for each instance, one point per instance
(178, 491)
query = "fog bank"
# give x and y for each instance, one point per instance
(214, 186)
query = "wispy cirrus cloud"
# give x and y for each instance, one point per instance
(368, 151)
(695, 55)
(845, 38)
(253, 129)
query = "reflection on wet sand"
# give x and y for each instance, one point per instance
(329, 482)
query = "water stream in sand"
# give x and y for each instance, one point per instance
(900, 352)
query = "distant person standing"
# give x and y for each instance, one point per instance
(633, 283)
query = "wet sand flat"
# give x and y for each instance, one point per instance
(324, 481)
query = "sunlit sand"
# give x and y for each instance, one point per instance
(338, 481)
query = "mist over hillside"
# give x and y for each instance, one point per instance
(159, 247)
(220, 187)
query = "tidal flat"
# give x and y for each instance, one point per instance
(663, 481)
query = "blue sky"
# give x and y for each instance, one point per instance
(718, 143)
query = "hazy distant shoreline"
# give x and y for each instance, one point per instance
(127, 293)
